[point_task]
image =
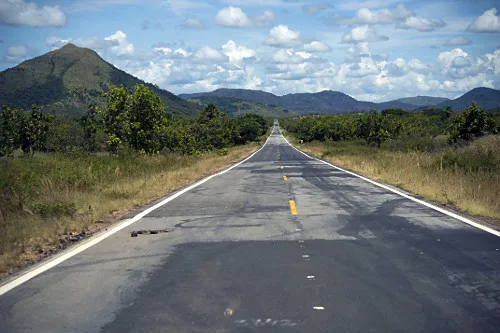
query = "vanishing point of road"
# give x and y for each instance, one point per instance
(280, 243)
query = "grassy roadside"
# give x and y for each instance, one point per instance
(466, 179)
(47, 201)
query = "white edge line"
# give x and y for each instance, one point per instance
(456, 216)
(65, 256)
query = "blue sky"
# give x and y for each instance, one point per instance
(370, 49)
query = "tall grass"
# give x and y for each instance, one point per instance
(465, 177)
(47, 196)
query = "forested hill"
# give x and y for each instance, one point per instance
(327, 102)
(65, 81)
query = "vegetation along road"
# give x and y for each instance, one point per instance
(280, 243)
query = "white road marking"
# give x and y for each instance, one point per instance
(310, 277)
(436, 208)
(305, 256)
(301, 241)
(298, 229)
(56, 260)
(318, 308)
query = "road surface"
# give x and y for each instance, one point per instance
(281, 243)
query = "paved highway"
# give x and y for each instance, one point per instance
(281, 243)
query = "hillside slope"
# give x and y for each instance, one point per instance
(486, 98)
(65, 81)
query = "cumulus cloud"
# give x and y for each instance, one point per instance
(207, 54)
(123, 46)
(488, 22)
(281, 36)
(237, 53)
(420, 24)
(380, 16)
(20, 12)
(191, 23)
(457, 41)
(16, 53)
(312, 9)
(235, 17)
(316, 46)
(116, 44)
(363, 34)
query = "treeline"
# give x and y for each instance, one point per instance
(396, 127)
(133, 120)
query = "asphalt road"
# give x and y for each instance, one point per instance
(281, 243)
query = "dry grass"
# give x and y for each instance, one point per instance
(467, 178)
(76, 192)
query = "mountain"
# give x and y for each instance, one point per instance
(327, 101)
(303, 103)
(257, 96)
(65, 81)
(420, 101)
(235, 106)
(485, 98)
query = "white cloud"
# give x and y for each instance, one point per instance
(16, 53)
(207, 54)
(363, 34)
(488, 22)
(192, 23)
(123, 47)
(380, 16)
(237, 53)
(420, 24)
(312, 9)
(235, 17)
(316, 46)
(116, 44)
(281, 36)
(457, 41)
(20, 12)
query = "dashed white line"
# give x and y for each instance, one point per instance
(311, 277)
(318, 308)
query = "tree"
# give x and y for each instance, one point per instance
(469, 125)
(373, 128)
(147, 120)
(34, 130)
(114, 118)
(215, 130)
(90, 125)
(10, 121)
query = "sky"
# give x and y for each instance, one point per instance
(374, 50)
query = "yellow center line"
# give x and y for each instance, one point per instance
(293, 209)
(285, 178)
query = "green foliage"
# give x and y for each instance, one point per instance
(469, 125)
(90, 126)
(377, 127)
(25, 130)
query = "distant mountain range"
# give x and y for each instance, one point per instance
(337, 102)
(65, 81)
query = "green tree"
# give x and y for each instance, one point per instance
(469, 125)
(147, 120)
(214, 129)
(10, 121)
(115, 117)
(34, 130)
(90, 125)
